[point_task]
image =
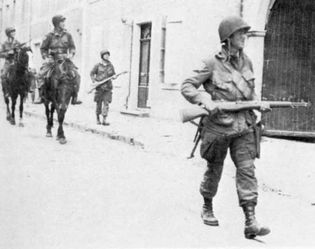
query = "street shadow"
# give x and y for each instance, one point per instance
(297, 139)
(259, 241)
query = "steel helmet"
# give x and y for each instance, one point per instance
(58, 19)
(9, 30)
(231, 24)
(103, 52)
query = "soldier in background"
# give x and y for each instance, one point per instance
(7, 52)
(103, 93)
(33, 81)
(228, 76)
(57, 44)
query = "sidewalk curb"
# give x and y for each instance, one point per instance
(121, 138)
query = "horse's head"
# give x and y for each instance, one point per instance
(63, 79)
(21, 57)
(18, 75)
(64, 70)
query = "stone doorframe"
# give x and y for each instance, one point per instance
(256, 13)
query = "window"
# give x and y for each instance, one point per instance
(1, 18)
(163, 43)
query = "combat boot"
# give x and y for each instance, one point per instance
(98, 119)
(252, 228)
(207, 214)
(104, 121)
(75, 100)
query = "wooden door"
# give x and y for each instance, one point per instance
(144, 65)
(289, 66)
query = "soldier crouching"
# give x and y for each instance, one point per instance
(228, 76)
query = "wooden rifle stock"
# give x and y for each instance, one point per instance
(95, 85)
(197, 111)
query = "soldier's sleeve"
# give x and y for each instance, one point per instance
(94, 72)
(71, 44)
(251, 67)
(113, 70)
(2, 52)
(189, 87)
(45, 46)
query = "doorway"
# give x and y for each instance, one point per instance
(289, 67)
(144, 65)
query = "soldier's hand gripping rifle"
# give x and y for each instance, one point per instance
(197, 111)
(3, 52)
(99, 83)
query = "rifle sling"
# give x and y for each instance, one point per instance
(197, 138)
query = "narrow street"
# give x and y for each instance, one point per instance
(98, 193)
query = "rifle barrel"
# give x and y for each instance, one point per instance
(287, 103)
(197, 111)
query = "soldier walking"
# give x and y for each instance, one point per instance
(33, 83)
(7, 52)
(57, 45)
(103, 93)
(228, 76)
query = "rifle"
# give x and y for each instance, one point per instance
(197, 111)
(93, 86)
(17, 46)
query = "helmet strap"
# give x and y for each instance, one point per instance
(10, 36)
(58, 28)
(228, 48)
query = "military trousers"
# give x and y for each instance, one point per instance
(242, 147)
(102, 99)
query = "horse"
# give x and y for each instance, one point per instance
(18, 83)
(59, 88)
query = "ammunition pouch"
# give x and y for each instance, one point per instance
(57, 51)
(222, 118)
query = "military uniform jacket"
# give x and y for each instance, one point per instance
(7, 46)
(102, 71)
(57, 42)
(224, 78)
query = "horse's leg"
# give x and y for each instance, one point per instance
(7, 102)
(6, 96)
(48, 126)
(21, 110)
(13, 99)
(33, 96)
(52, 110)
(61, 136)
